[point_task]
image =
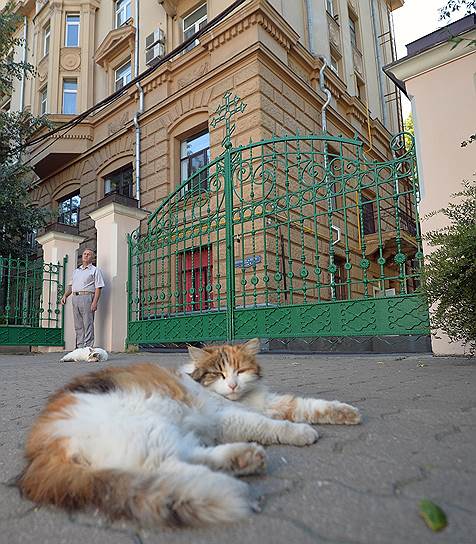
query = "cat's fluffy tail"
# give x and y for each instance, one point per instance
(177, 494)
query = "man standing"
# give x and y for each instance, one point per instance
(85, 285)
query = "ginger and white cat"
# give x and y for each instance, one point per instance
(149, 444)
(234, 373)
(88, 355)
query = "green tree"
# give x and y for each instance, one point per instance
(467, 7)
(408, 127)
(17, 216)
(449, 279)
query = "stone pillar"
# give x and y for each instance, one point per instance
(113, 221)
(56, 245)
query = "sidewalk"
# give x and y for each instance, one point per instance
(355, 485)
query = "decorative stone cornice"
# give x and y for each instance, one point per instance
(258, 12)
(116, 41)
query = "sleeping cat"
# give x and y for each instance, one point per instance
(89, 355)
(234, 373)
(140, 442)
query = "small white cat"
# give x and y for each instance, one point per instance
(89, 355)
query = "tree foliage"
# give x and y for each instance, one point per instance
(467, 7)
(449, 279)
(17, 216)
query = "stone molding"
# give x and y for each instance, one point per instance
(120, 209)
(55, 236)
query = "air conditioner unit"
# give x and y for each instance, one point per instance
(158, 36)
(154, 54)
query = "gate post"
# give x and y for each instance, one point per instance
(56, 246)
(114, 221)
(230, 250)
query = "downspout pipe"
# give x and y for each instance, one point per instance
(140, 109)
(325, 65)
(24, 53)
(378, 57)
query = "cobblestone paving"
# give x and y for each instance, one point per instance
(355, 485)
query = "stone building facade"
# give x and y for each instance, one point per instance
(263, 51)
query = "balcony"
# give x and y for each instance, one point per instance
(387, 231)
(57, 150)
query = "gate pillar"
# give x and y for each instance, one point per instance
(57, 245)
(114, 221)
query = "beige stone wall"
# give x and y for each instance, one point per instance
(102, 48)
(444, 116)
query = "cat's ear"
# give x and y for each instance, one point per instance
(196, 354)
(252, 347)
(90, 350)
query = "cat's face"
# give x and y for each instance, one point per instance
(229, 370)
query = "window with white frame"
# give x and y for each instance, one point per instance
(46, 39)
(194, 156)
(122, 75)
(193, 23)
(123, 12)
(70, 94)
(72, 30)
(43, 100)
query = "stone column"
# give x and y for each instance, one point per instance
(113, 221)
(56, 245)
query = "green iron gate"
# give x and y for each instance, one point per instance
(296, 236)
(30, 302)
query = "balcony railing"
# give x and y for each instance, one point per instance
(388, 221)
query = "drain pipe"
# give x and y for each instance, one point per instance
(378, 57)
(326, 64)
(23, 79)
(140, 110)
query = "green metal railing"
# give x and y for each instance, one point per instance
(290, 237)
(30, 307)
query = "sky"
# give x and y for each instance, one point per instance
(415, 19)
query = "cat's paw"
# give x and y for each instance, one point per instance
(301, 434)
(247, 459)
(345, 414)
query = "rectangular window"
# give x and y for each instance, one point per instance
(68, 210)
(196, 279)
(194, 155)
(123, 75)
(72, 30)
(46, 39)
(330, 7)
(119, 181)
(123, 12)
(354, 31)
(43, 100)
(340, 279)
(70, 92)
(193, 23)
(368, 215)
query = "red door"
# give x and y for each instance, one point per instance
(198, 275)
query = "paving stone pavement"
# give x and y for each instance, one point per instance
(356, 485)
